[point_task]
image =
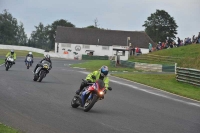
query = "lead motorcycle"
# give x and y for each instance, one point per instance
(9, 62)
(90, 95)
(42, 71)
(29, 62)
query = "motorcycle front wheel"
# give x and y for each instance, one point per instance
(41, 76)
(89, 103)
(74, 102)
(7, 66)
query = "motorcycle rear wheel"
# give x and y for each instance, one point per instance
(90, 103)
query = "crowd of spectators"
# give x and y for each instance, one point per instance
(171, 43)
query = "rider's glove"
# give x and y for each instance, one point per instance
(93, 77)
(105, 91)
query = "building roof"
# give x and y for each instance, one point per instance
(102, 37)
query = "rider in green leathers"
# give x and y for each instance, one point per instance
(12, 54)
(92, 77)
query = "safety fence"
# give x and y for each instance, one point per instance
(188, 75)
(144, 66)
(22, 48)
(92, 57)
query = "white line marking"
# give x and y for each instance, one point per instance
(157, 94)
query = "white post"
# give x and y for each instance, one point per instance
(175, 67)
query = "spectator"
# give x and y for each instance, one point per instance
(163, 45)
(150, 47)
(198, 38)
(179, 41)
(193, 39)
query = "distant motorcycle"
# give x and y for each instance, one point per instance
(90, 95)
(29, 61)
(9, 62)
(42, 71)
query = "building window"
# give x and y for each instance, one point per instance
(66, 45)
(105, 47)
(86, 46)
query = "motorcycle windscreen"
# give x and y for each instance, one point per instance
(45, 62)
(100, 84)
(29, 58)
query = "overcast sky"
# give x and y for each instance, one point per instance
(128, 15)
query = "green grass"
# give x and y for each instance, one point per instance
(23, 53)
(6, 129)
(192, 51)
(2, 61)
(96, 64)
(165, 82)
(190, 56)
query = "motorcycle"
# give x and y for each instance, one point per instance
(9, 62)
(28, 62)
(90, 95)
(42, 71)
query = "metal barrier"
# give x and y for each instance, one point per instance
(188, 75)
(146, 66)
(88, 57)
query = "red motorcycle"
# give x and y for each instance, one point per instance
(90, 95)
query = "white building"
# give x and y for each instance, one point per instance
(75, 42)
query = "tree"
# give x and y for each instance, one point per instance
(91, 27)
(8, 29)
(39, 37)
(53, 27)
(21, 35)
(160, 25)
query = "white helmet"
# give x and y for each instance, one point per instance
(30, 53)
(47, 57)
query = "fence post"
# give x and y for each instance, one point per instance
(175, 68)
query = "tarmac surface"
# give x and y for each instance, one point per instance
(34, 107)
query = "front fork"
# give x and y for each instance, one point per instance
(84, 97)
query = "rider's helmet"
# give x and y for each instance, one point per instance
(12, 52)
(47, 57)
(104, 71)
(30, 53)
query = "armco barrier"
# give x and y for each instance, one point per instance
(188, 75)
(113, 63)
(88, 57)
(22, 48)
(168, 68)
(147, 67)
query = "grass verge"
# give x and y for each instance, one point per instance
(96, 64)
(6, 129)
(2, 61)
(23, 53)
(165, 82)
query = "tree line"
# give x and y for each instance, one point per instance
(159, 26)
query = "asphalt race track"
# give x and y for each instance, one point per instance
(45, 107)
